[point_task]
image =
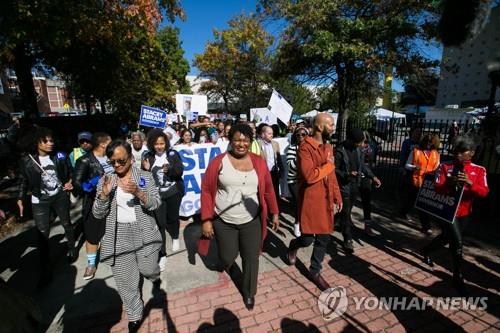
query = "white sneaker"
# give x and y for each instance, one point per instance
(175, 245)
(162, 263)
(296, 230)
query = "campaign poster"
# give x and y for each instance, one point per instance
(187, 105)
(152, 117)
(442, 206)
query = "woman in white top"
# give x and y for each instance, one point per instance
(131, 244)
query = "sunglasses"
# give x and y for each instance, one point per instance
(120, 162)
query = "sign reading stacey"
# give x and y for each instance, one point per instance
(152, 117)
(442, 206)
(195, 159)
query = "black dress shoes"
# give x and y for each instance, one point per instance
(292, 257)
(428, 261)
(133, 326)
(319, 281)
(249, 302)
(348, 247)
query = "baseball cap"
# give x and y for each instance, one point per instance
(84, 136)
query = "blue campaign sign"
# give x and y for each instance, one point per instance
(152, 117)
(442, 206)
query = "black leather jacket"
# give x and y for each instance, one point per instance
(86, 168)
(31, 175)
(344, 154)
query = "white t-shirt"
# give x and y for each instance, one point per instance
(158, 174)
(50, 184)
(138, 155)
(103, 160)
(124, 207)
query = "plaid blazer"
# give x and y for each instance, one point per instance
(107, 209)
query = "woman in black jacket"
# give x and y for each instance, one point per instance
(166, 166)
(46, 174)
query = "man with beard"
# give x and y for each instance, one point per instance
(88, 170)
(319, 195)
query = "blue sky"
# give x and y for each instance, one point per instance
(203, 16)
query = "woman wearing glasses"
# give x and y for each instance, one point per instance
(298, 137)
(126, 199)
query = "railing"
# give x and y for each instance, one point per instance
(390, 134)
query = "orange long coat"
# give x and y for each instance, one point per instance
(318, 187)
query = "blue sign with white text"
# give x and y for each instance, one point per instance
(441, 205)
(152, 117)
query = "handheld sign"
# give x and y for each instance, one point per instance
(442, 206)
(152, 117)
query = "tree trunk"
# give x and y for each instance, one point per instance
(22, 66)
(103, 106)
(87, 105)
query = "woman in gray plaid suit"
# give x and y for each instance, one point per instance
(126, 200)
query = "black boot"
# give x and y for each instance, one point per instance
(348, 246)
(459, 284)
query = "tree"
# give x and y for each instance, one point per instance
(344, 44)
(237, 65)
(92, 43)
(420, 89)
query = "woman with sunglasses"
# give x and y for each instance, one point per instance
(299, 135)
(236, 195)
(126, 199)
(166, 166)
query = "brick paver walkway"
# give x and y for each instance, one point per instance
(287, 300)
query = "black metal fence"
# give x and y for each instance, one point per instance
(390, 134)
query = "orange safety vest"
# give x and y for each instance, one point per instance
(426, 164)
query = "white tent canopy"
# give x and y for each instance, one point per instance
(381, 114)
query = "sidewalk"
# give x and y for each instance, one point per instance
(201, 299)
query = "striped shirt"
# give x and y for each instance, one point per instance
(291, 161)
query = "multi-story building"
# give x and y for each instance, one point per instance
(464, 75)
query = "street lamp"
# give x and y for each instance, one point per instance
(494, 75)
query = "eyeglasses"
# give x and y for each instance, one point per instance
(120, 162)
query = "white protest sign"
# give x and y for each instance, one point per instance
(186, 105)
(195, 159)
(172, 134)
(280, 107)
(263, 115)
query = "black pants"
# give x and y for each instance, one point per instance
(294, 191)
(451, 233)
(167, 218)
(246, 240)
(319, 249)
(349, 196)
(93, 228)
(275, 177)
(425, 219)
(365, 192)
(41, 214)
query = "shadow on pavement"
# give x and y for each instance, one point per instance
(159, 301)
(288, 325)
(224, 321)
(96, 307)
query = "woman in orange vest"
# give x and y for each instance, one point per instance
(423, 160)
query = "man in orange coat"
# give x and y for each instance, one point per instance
(319, 196)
